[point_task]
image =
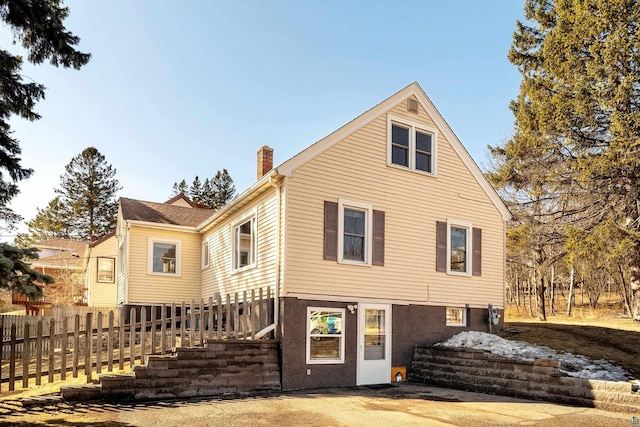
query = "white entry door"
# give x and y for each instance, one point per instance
(374, 343)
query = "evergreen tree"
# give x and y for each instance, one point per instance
(195, 191)
(222, 189)
(50, 223)
(180, 187)
(39, 27)
(214, 193)
(577, 120)
(88, 190)
(16, 274)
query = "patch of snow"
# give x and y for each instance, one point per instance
(572, 365)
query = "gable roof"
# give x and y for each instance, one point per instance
(61, 244)
(184, 198)
(102, 239)
(288, 167)
(162, 213)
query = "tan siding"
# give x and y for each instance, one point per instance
(102, 294)
(219, 277)
(150, 288)
(355, 169)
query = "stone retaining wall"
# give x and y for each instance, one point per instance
(220, 368)
(481, 371)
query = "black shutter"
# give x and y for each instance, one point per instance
(441, 246)
(378, 238)
(476, 255)
(331, 231)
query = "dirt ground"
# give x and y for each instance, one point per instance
(403, 405)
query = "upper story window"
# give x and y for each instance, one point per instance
(106, 270)
(244, 243)
(411, 145)
(458, 248)
(354, 232)
(205, 254)
(164, 257)
(458, 253)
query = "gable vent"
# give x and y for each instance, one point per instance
(412, 105)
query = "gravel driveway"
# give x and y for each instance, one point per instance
(402, 405)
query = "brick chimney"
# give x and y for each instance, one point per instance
(265, 160)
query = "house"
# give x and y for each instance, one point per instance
(62, 259)
(100, 275)
(381, 236)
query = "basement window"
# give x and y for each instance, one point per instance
(325, 335)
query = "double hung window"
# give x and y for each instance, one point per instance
(325, 335)
(244, 243)
(412, 146)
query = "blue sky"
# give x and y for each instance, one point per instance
(178, 89)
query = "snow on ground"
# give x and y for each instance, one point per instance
(572, 365)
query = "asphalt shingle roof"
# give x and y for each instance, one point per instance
(163, 213)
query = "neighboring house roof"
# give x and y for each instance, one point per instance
(61, 244)
(69, 254)
(288, 167)
(162, 213)
(184, 198)
(102, 239)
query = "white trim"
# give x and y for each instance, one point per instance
(205, 256)
(413, 128)
(340, 360)
(368, 238)
(469, 248)
(387, 362)
(159, 226)
(463, 322)
(113, 263)
(151, 242)
(253, 217)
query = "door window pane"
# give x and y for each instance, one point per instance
(374, 335)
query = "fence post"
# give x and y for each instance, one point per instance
(143, 332)
(192, 326)
(183, 321)
(99, 343)
(252, 313)
(230, 319)
(163, 329)
(64, 345)
(132, 337)
(52, 348)
(203, 319)
(110, 343)
(154, 338)
(210, 325)
(76, 344)
(219, 311)
(88, 347)
(121, 329)
(25, 356)
(173, 325)
(12, 358)
(39, 328)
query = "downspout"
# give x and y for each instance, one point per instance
(276, 296)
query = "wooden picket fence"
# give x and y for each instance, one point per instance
(120, 338)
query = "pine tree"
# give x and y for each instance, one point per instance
(88, 190)
(16, 274)
(222, 188)
(50, 223)
(39, 27)
(577, 119)
(195, 191)
(180, 188)
(214, 193)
